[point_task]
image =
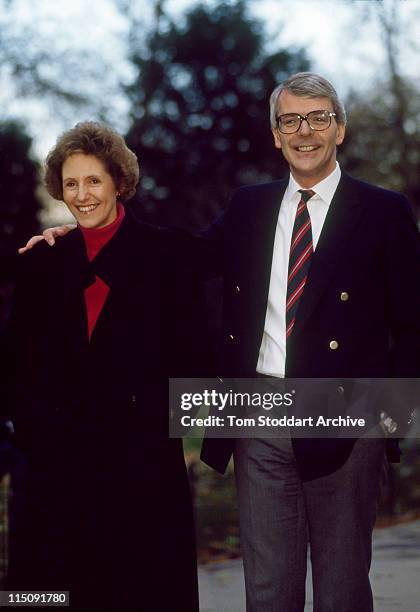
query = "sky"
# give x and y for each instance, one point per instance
(341, 48)
(342, 45)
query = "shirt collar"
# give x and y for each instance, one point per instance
(324, 190)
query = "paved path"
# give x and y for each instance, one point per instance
(395, 575)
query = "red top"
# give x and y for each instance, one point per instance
(96, 294)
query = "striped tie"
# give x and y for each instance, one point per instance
(301, 249)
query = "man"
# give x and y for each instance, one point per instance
(321, 271)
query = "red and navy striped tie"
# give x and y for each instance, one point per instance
(301, 249)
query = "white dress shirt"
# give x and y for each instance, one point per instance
(272, 356)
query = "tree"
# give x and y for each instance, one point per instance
(377, 147)
(54, 65)
(19, 205)
(200, 121)
(383, 140)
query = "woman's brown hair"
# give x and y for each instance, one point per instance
(93, 138)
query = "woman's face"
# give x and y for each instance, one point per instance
(89, 191)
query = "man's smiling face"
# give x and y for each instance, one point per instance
(311, 154)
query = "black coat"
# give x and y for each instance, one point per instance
(370, 248)
(104, 510)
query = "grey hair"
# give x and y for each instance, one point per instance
(307, 85)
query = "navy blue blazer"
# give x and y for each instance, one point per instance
(370, 248)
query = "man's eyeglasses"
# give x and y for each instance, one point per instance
(317, 120)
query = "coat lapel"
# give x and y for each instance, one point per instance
(114, 261)
(124, 265)
(112, 265)
(74, 275)
(342, 217)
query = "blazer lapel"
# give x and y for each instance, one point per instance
(265, 223)
(342, 217)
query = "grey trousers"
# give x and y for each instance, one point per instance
(280, 516)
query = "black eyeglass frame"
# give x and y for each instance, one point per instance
(305, 118)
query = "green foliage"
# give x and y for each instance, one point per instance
(200, 111)
(216, 510)
(383, 136)
(382, 143)
(18, 182)
(18, 203)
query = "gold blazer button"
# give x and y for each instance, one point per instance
(231, 338)
(237, 289)
(344, 296)
(333, 345)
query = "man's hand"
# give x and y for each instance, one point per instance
(49, 235)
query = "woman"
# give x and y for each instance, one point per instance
(100, 322)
